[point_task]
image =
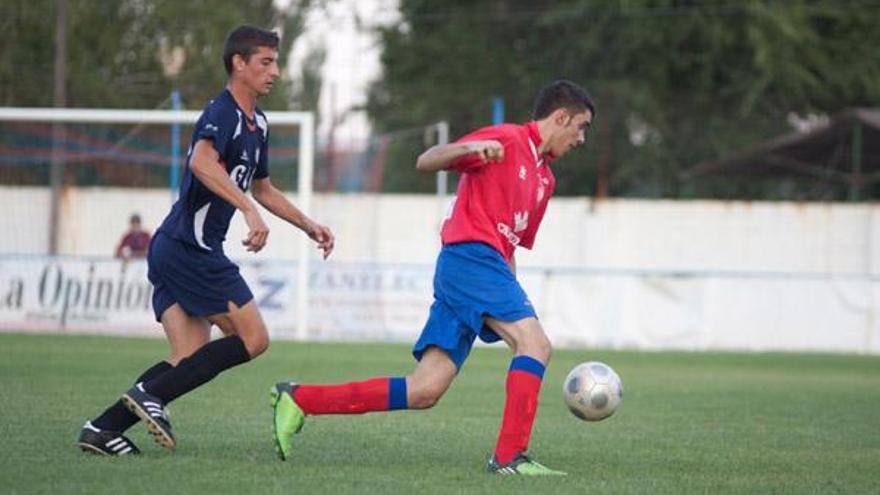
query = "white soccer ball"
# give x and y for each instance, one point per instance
(592, 391)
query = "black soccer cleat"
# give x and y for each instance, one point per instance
(105, 442)
(152, 412)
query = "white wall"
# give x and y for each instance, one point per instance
(709, 235)
(24, 225)
(613, 234)
(620, 273)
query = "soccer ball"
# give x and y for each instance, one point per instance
(592, 391)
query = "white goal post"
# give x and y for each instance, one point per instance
(305, 121)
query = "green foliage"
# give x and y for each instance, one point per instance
(675, 82)
(114, 50)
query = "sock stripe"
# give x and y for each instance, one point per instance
(397, 393)
(528, 364)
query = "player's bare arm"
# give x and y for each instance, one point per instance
(205, 165)
(441, 156)
(274, 200)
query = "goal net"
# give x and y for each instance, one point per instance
(70, 179)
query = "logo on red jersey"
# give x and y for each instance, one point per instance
(512, 238)
(520, 223)
(544, 183)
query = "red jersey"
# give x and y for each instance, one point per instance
(136, 242)
(501, 203)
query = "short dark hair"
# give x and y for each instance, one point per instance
(244, 41)
(562, 94)
(135, 218)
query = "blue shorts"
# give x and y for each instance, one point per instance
(471, 281)
(202, 282)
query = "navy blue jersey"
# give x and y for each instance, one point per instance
(200, 217)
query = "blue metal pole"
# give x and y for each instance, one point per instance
(175, 148)
(497, 110)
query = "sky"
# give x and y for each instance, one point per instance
(345, 28)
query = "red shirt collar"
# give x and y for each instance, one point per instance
(535, 136)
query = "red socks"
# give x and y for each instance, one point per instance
(377, 394)
(523, 385)
(383, 394)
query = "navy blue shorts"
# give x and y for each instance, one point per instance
(471, 281)
(202, 282)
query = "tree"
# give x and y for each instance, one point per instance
(119, 54)
(675, 82)
(115, 47)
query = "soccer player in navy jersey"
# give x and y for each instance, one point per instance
(195, 284)
(502, 195)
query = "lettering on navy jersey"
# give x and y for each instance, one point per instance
(242, 176)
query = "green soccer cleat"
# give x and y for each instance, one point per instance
(523, 466)
(288, 417)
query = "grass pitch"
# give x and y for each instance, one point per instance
(690, 423)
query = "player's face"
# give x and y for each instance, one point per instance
(261, 70)
(571, 131)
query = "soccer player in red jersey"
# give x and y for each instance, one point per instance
(502, 195)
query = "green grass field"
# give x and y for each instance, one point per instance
(690, 423)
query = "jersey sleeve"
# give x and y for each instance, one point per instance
(472, 161)
(218, 125)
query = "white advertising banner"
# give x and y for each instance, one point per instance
(388, 302)
(68, 294)
(355, 302)
(102, 295)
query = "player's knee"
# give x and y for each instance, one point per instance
(545, 350)
(548, 353)
(179, 353)
(424, 396)
(538, 346)
(423, 401)
(256, 344)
